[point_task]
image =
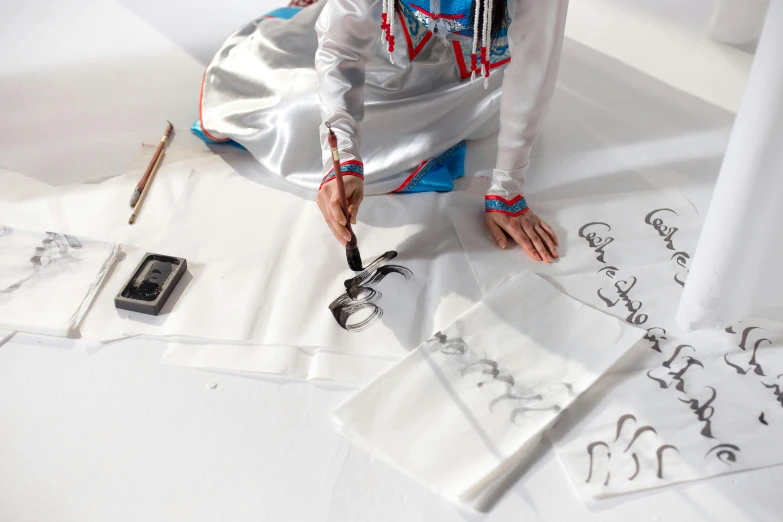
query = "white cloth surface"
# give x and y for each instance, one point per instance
(48, 280)
(239, 291)
(462, 410)
(637, 430)
(736, 269)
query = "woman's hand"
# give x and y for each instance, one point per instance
(534, 236)
(328, 200)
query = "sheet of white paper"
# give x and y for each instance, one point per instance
(635, 271)
(101, 210)
(597, 222)
(23, 202)
(264, 271)
(708, 409)
(291, 362)
(464, 408)
(48, 280)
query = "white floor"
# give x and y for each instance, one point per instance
(116, 436)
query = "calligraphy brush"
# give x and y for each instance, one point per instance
(143, 195)
(351, 249)
(143, 181)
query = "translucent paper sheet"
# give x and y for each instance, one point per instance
(101, 210)
(682, 405)
(264, 271)
(48, 280)
(612, 228)
(713, 406)
(464, 409)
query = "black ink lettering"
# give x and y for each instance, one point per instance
(701, 412)
(690, 361)
(757, 369)
(359, 294)
(590, 448)
(636, 462)
(631, 306)
(610, 271)
(620, 422)
(637, 434)
(677, 351)
(665, 232)
(776, 391)
(725, 454)
(655, 339)
(659, 454)
(596, 242)
(678, 280)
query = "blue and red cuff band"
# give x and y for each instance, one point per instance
(348, 168)
(513, 207)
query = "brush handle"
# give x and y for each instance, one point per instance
(143, 181)
(140, 202)
(338, 176)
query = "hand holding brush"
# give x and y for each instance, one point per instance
(333, 198)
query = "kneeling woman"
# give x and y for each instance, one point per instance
(404, 83)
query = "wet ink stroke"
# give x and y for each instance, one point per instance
(360, 295)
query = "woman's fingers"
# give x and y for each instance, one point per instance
(527, 227)
(498, 236)
(323, 207)
(336, 234)
(353, 210)
(549, 231)
(513, 229)
(550, 245)
(336, 209)
(338, 220)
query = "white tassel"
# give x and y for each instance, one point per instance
(476, 20)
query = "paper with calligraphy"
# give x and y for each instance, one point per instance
(462, 411)
(48, 280)
(681, 406)
(267, 274)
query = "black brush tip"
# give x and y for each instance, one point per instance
(354, 258)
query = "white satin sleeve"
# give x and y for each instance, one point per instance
(347, 35)
(535, 40)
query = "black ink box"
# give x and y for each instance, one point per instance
(151, 284)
